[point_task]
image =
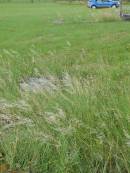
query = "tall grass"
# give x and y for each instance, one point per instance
(81, 127)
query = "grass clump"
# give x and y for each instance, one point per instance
(81, 123)
(106, 15)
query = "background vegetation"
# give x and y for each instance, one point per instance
(35, 1)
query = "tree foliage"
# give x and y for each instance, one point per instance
(33, 1)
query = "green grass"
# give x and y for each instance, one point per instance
(84, 125)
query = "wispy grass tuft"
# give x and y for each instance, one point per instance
(82, 124)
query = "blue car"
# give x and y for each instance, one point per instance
(103, 4)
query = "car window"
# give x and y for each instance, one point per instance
(104, 0)
(99, 0)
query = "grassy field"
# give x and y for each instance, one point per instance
(84, 125)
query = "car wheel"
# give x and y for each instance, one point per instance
(93, 7)
(113, 6)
